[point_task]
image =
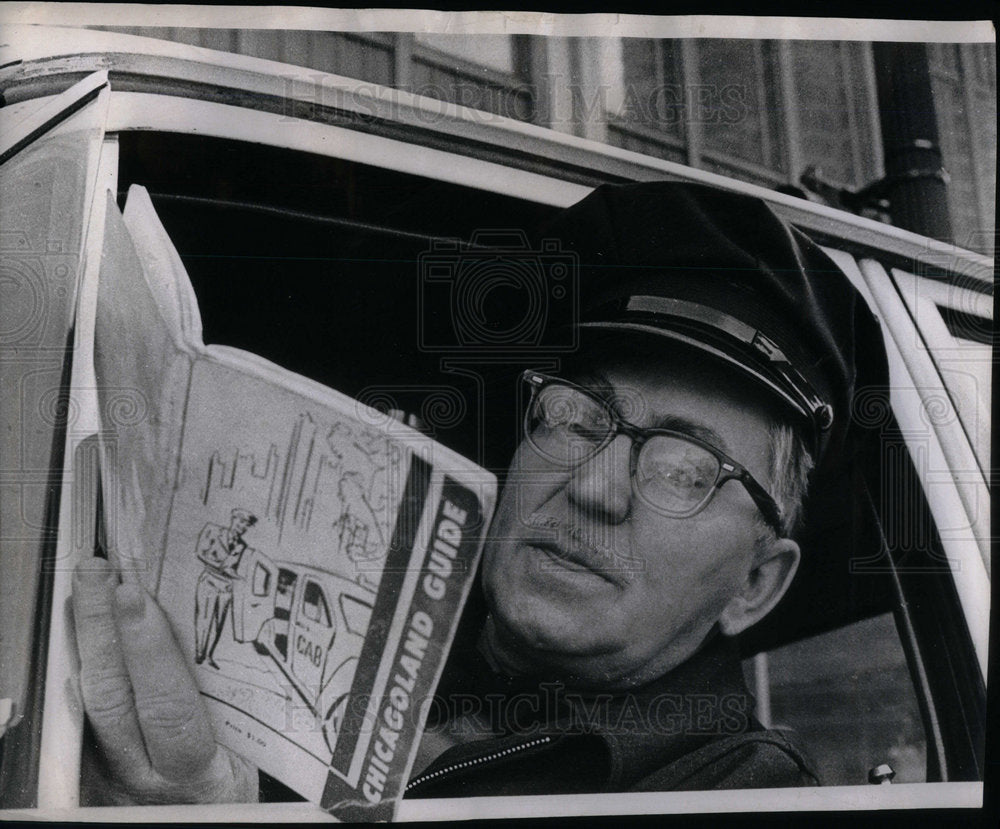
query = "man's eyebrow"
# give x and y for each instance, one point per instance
(599, 385)
(596, 383)
(686, 426)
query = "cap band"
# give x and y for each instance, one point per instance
(766, 350)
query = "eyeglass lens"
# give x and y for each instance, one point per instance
(567, 427)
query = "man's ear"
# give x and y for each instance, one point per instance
(774, 569)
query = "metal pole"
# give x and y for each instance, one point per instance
(915, 176)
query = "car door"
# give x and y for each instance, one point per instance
(900, 688)
(56, 165)
(314, 632)
(253, 594)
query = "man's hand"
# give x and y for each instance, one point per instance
(141, 700)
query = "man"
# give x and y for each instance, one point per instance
(220, 550)
(647, 518)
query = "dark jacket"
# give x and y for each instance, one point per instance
(690, 730)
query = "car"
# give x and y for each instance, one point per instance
(309, 623)
(301, 211)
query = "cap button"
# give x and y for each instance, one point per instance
(824, 416)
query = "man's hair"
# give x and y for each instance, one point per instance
(790, 464)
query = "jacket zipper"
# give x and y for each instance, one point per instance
(477, 761)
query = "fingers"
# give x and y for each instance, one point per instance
(104, 679)
(178, 736)
(151, 724)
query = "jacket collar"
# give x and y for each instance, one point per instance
(701, 699)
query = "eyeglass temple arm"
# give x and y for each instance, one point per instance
(765, 503)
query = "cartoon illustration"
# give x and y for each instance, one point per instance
(340, 481)
(310, 623)
(325, 500)
(359, 531)
(220, 549)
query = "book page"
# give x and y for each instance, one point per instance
(142, 367)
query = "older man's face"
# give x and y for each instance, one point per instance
(590, 580)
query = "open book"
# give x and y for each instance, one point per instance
(313, 554)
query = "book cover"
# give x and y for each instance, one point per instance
(312, 553)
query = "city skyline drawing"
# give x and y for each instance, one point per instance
(334, 487)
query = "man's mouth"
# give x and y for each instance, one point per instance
(579, 557)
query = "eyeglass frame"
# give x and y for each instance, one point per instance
(729, 469)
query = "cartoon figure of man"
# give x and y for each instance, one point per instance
(219, 548)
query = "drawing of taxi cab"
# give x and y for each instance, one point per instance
(311, 623)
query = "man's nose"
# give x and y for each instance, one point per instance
(602, 486)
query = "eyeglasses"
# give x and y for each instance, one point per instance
(675, 473)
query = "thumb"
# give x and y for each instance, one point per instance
(172, 717)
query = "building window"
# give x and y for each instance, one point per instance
(757, 110)
(742, 119)
(485, 72)
(835, 110)
(963, 80)
(490, 51)
(654, 95)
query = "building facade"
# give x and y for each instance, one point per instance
(762, 111)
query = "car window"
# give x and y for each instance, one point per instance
(314, 604)
(348, 252)
(848, 697)
(850, 693)
(345, 247)
(357, 613)
(261, 580)
(956, 328)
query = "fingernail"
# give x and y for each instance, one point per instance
(130, 601)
